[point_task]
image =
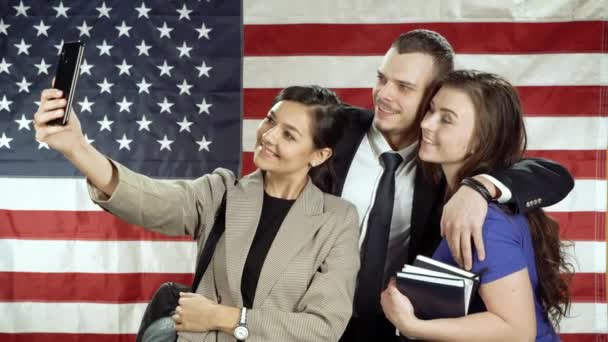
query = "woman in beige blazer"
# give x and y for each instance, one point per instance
(305, 282)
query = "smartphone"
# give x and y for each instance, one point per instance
(66, 76)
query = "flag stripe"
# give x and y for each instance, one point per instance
(583, 133)
(75, 256)
(389, 11)
(536, 101)
(490, 38)
(138, 288)
(580, 163)
(357, 71)
(587, 195)
(124, 318)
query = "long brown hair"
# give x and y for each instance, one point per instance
(499, 140)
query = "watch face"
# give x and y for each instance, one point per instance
(241, 333)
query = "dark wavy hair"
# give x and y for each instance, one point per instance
(328, 124)
(499, 140)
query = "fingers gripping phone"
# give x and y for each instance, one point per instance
(66, 76)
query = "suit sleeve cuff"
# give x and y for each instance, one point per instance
(505, 193)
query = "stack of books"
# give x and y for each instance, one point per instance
(436, 289)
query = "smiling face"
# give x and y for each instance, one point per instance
(399, 90)
(284, 141)
(447, 130)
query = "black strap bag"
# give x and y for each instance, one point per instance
(165, 299)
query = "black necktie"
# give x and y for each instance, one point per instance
(374, 249)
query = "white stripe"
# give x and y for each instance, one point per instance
(390, 11)
(589, 318)
(27, 317)
(66, 256)
(45, 194)
(587, 195)
(567, 133)
(61, 256)
(544, 133)
(360, 71)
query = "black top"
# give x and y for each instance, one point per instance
(274, 211)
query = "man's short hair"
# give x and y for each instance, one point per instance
(430, 43)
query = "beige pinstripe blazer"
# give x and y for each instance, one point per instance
(306, 286)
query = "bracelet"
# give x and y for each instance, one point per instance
(477, 186)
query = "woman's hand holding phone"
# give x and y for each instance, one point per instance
(65, 139)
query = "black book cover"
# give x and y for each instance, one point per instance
(433, 297)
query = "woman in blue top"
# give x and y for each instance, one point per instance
(475, 125)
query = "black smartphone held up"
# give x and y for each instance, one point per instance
(66, 76)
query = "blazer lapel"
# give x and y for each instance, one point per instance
(243, 209)
(301, 223)
(426, 198)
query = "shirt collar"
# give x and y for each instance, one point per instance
(379, 145)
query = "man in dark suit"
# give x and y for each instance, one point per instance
(401, 214)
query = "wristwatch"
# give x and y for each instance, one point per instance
(241, 332)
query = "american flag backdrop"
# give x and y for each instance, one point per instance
(161, 91)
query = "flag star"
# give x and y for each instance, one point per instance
(203, 107)
(24, 85)
(165, 31)
(165, 143)
(42, 145)
(203, 31)
(142, 10)
(143, 124)
(184, 87)
(5, 104)
(143, 48)
(124, 142)
(89, 141)
(23, 123)
(124, 68)
(59, 47)
(23, 47)
(61, 10)
(21, 10)
(4, 27)
(5, 141)
(84, 29)
(123, 29)
(43, 68)
(165, 106)
(124, 105)
(4, 66)
(184, 125)
(184, 50)
(203, 69)
(42, 29)
(184, 13)
(103, 10)
(143, 86)
(105, 124)
(85, 68)
(165, 68)
(85, 106)
(105, 86)
(203, 144)
(104, 48)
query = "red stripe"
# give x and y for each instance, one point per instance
(139, 287)
(73, 225)
(537, 101)
(584, 337)
(375, 39)
(84, 287)
(59, 337)
(585, 164)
